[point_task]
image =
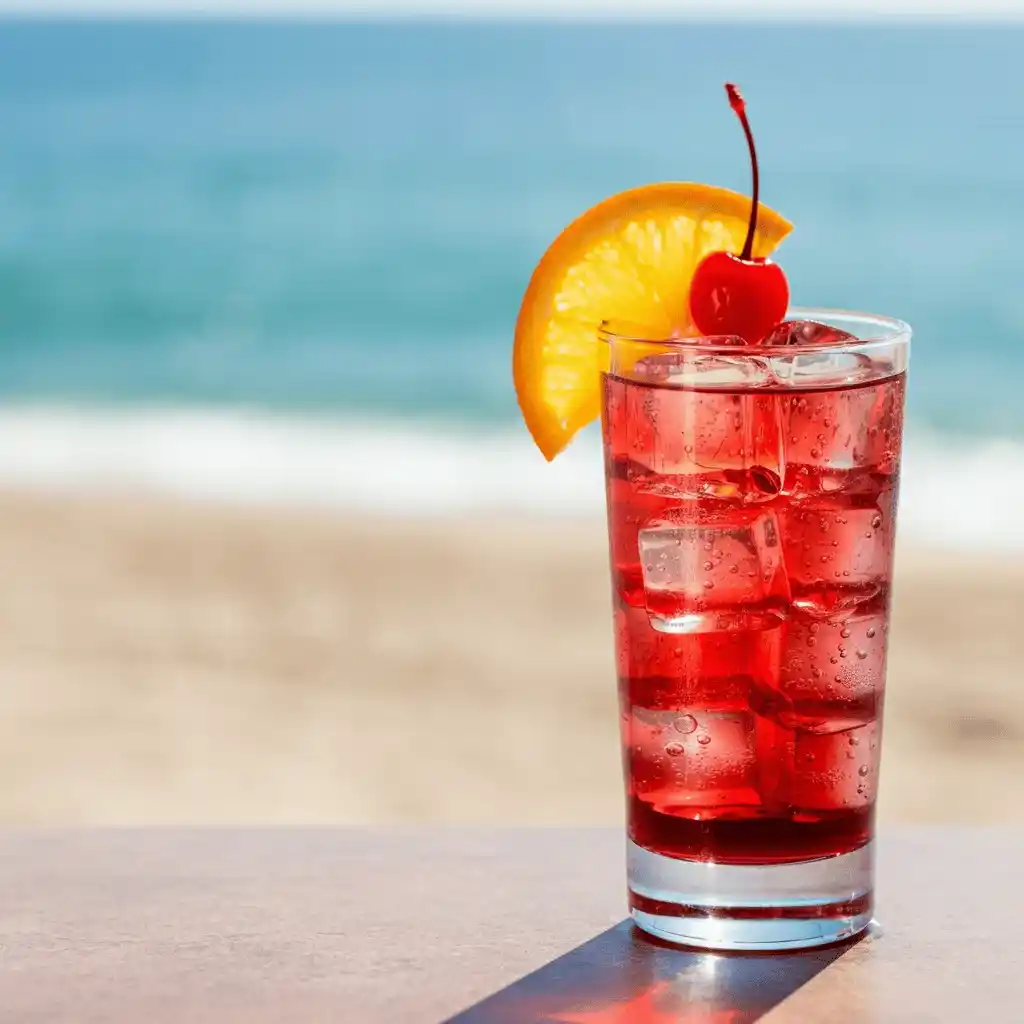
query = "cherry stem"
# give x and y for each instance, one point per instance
(740, 109)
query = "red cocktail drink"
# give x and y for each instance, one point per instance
(751, 507)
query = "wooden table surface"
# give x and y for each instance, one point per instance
(307, 925)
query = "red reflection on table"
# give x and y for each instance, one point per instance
(688, 999)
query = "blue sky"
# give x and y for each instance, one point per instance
(818, 9)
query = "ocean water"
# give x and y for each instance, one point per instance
(283, 261)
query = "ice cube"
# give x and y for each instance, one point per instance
(832, 675)
(806, 332)
(645, 735)
(711, 765)
(713, 569)
(694, 435)
(689, 674)
(629, 508)
(833, 772)
(838, 551)
(845, 439)
(721, 759)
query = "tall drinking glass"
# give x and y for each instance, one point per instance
(752, 512)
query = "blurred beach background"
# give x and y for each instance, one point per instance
(274, 544)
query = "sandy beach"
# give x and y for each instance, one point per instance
(168, 662)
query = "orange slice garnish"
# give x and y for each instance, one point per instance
(629, 259)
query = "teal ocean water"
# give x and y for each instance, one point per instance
(317, 235)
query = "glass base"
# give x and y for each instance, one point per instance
(755, 907)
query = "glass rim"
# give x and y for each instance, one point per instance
(888, 332)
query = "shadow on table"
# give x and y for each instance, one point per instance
(622, 977)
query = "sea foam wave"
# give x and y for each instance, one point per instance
(954, 493)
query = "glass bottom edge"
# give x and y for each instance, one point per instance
(763, 907)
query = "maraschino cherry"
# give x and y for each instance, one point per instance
(739, 295)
